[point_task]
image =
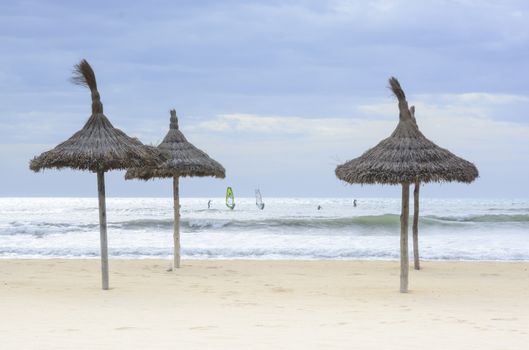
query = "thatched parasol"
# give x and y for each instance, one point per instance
(97, 147)
(181, 159)
(405, 157)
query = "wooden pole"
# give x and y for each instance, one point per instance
(176, 234)
(103, 228)
(404, 263)
(416, 262)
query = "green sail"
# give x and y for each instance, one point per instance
(230, 200)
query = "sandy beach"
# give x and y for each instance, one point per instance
(216, 304)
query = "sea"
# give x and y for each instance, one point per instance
(287, 228)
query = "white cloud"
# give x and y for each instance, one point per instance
(327, 129)
(481, 97)
(466, 125)
(298, 68)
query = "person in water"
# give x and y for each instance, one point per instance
(354, 202)
(209, 204)
(319, 207)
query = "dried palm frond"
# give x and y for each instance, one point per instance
(182, 158)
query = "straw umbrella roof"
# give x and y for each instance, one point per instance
(182, 158)
(98, 146)
(406, 156)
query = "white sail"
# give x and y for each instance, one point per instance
(259, 199)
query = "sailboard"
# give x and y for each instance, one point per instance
(259, 200)
(230, 200)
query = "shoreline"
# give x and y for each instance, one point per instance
(462, 230)
(169, 259)
(262, 304)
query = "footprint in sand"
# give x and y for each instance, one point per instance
(202, 328)
(124, 328)
(230, 293)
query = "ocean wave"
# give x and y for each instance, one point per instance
(366, 222)
(40, 229)
(512, 210)
(308, 222)
(497, 218)
(343, 253)
(384, 220)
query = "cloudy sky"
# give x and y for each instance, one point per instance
(280, 92)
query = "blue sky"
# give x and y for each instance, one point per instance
(279, 92)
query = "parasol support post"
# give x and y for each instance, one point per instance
(416, 261)
(176, 233)
(103, 228)
(404, 217)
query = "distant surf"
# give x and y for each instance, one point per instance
(289, 228)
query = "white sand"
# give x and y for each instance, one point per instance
(57, 304)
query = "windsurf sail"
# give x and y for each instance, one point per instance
(230, 200)
(259, 199)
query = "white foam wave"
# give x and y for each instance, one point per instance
(286, 229)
